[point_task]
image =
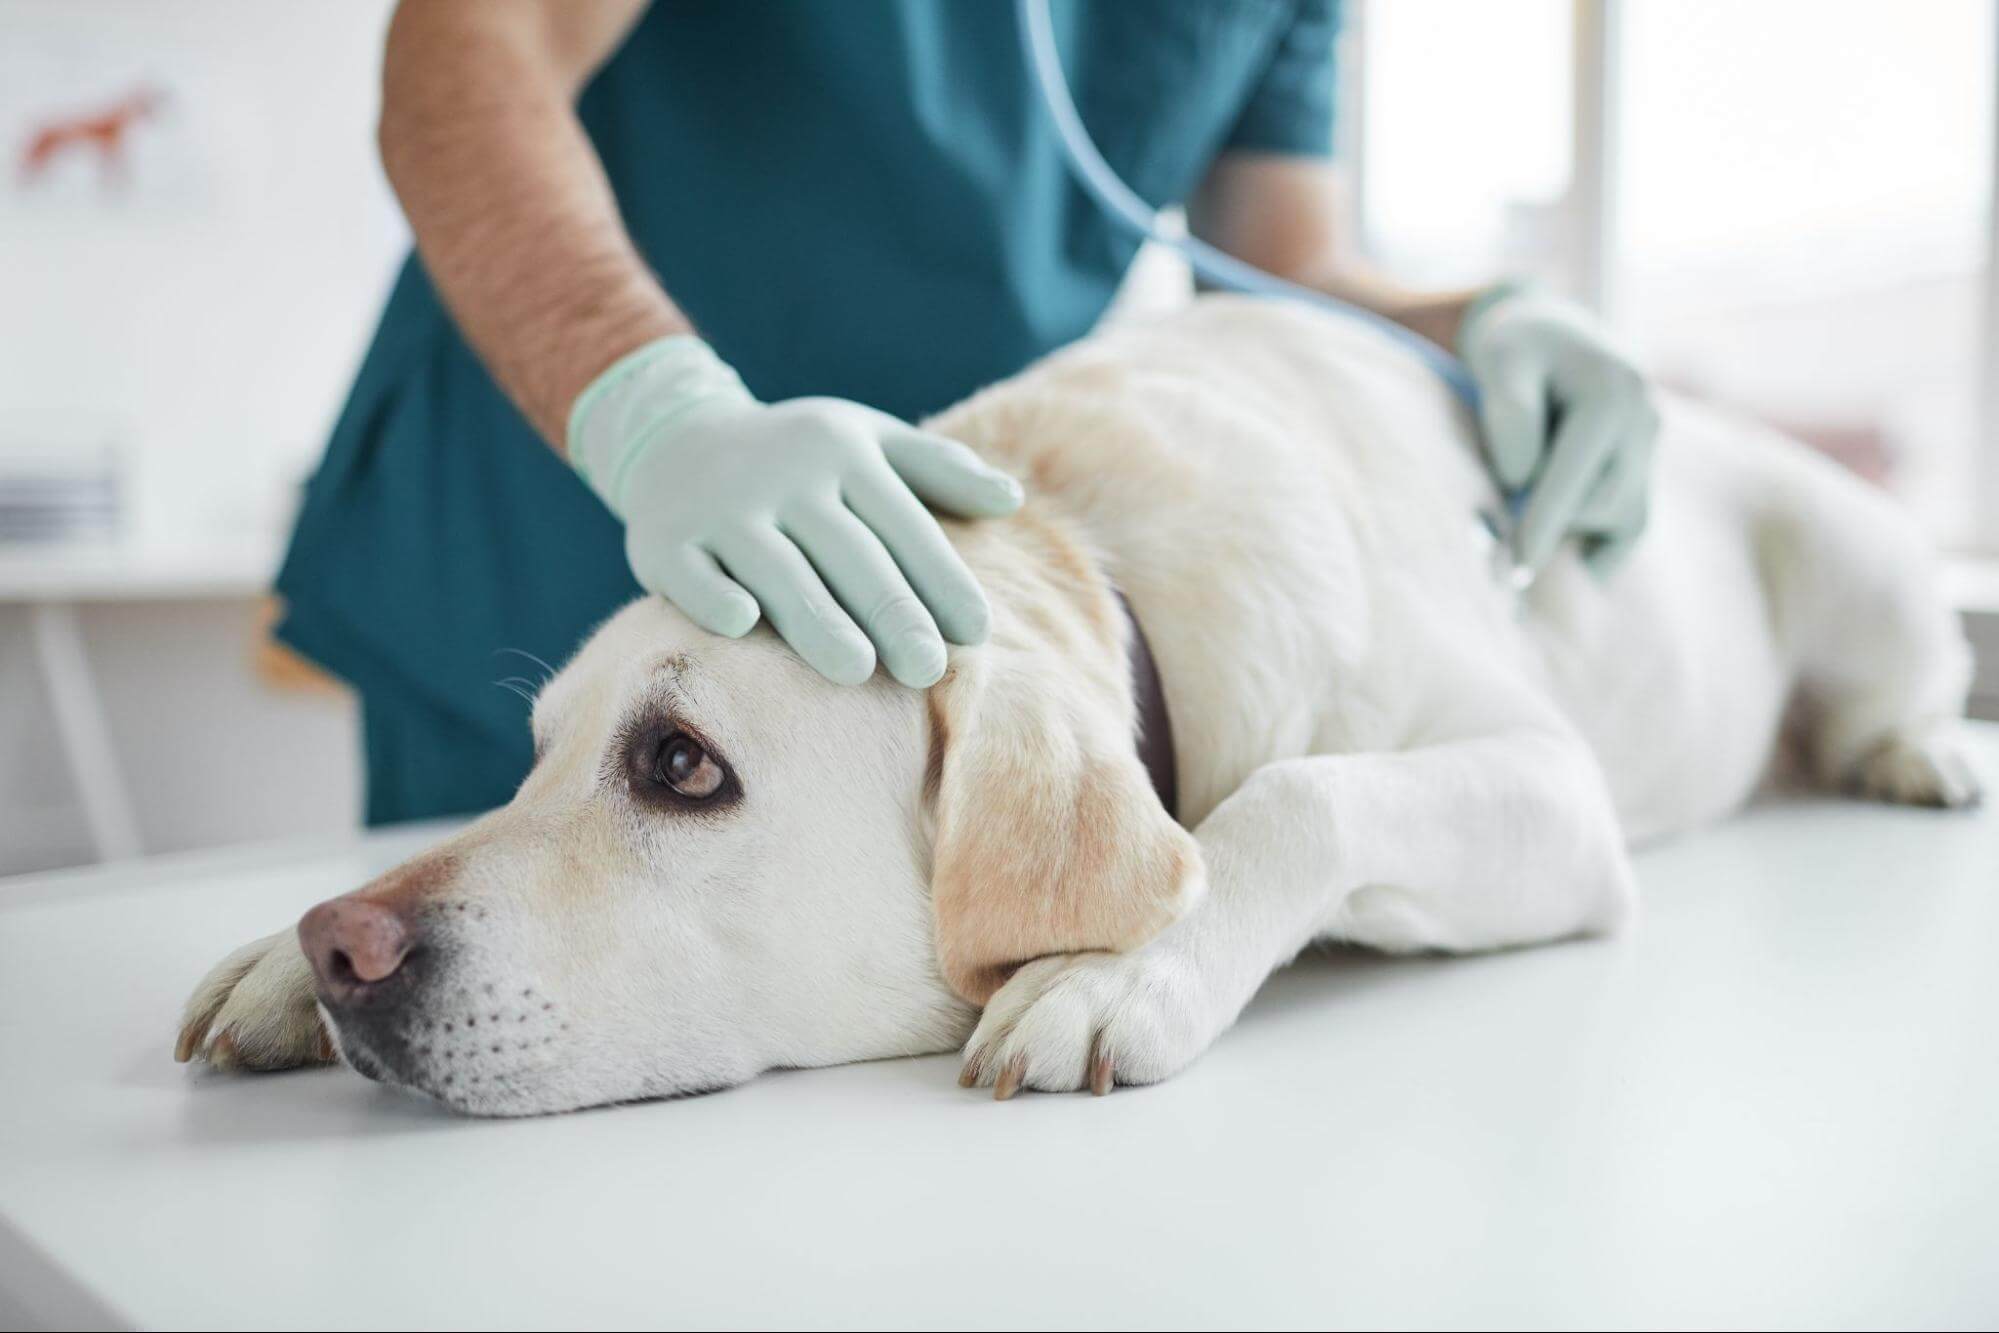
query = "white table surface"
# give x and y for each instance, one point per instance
(1775, 1103)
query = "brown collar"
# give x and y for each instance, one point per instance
(1155, 729)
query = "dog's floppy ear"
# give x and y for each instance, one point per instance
(1048, 836)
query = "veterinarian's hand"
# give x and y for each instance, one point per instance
(807, 510)
(1567, 418)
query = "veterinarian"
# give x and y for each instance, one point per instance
(862, 210)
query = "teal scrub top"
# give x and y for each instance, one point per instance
(860, 198)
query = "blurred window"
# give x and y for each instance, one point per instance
(1463, 132)
(1803, 223)
(1796, 216)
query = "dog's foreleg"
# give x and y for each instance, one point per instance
(1473, 844)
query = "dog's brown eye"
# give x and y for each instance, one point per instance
(670, 768)
(687, 768)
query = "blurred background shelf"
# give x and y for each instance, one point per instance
(236, 565)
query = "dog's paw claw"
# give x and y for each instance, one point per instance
(191, 1035)
(223, 1053)
(1009, 1079)
(1092, 1021)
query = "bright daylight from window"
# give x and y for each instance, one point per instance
(1797, 224)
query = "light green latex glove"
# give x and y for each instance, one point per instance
(807, 511)
(1567, 418)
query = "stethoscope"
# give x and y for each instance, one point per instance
(1122, 205)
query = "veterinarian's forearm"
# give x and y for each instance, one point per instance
(509, 204)
(1284, 214)
(1433, 315)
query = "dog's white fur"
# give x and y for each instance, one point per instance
(1375, 745)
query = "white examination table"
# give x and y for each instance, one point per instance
(1776, 1102)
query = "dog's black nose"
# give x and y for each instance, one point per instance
(354, 945)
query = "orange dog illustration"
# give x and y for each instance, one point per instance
(104, 132)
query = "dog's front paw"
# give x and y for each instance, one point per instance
(255, 1010)
(1093, 1020)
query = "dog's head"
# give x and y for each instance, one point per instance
(722, 864)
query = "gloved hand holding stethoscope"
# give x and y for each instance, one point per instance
(1567, 421)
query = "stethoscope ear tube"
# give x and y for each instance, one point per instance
(1123, 206)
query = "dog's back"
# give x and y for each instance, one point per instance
(1290, 501)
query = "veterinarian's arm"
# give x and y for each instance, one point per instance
(1567, 417)
(1283, 213)
(805, 512)
(506, 197)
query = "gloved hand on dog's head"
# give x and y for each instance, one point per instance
(808, 512)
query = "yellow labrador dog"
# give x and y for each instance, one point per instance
(722, 864)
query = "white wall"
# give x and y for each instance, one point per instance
(209, 312)
(205, 315)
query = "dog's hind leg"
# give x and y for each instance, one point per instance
(1475, 844)
(1882, 662)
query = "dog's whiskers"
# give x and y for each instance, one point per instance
(547, 671)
